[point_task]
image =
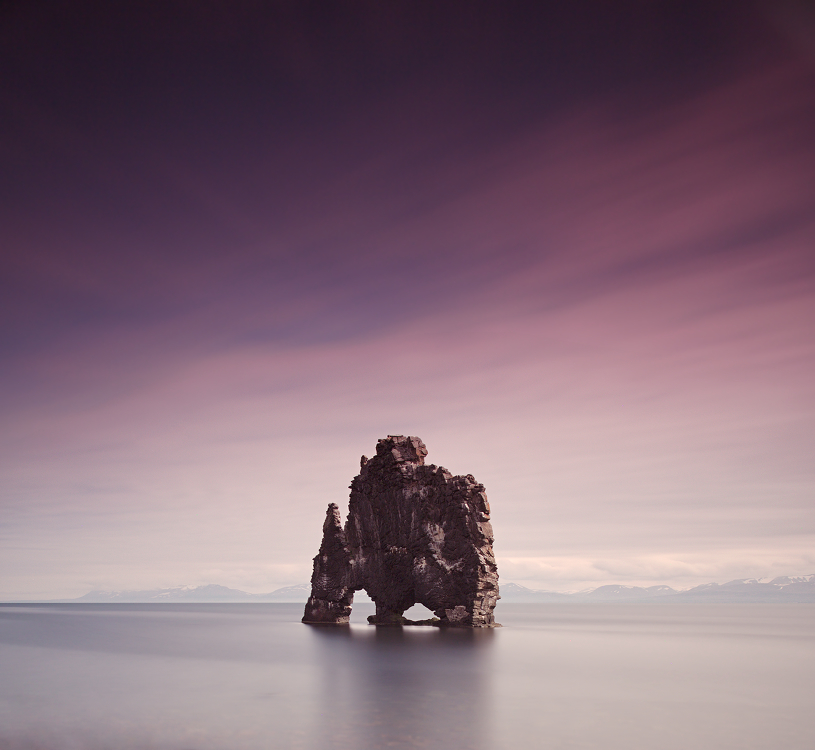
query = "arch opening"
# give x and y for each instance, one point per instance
(418, 612)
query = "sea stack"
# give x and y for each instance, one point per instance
(414, 534)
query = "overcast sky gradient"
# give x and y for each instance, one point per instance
(570, 245)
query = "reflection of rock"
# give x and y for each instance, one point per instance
(414, 533)
(396, 688)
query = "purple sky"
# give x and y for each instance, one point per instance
(571, 248)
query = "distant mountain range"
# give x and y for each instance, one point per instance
(209, 594)
(212, 593)
(744, 590)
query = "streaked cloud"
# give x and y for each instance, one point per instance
(603, 309)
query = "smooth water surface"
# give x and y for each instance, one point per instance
(246, 676)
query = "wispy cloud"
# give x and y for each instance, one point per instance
(604, 311)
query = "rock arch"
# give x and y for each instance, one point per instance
(414, 534)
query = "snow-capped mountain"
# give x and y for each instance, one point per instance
(512, 592)
(781, 589)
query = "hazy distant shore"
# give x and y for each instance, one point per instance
(783, 589)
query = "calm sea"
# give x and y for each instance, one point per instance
(627, 677)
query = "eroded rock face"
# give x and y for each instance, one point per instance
(414, 534)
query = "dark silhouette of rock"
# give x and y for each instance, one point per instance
(414, 534)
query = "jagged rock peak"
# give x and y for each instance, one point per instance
(402, 449)
(414, 534)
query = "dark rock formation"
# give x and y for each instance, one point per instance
(414, 533)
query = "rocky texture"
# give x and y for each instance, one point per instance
(414, 534)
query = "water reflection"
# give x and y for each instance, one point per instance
(403, 688)
(252, 677)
